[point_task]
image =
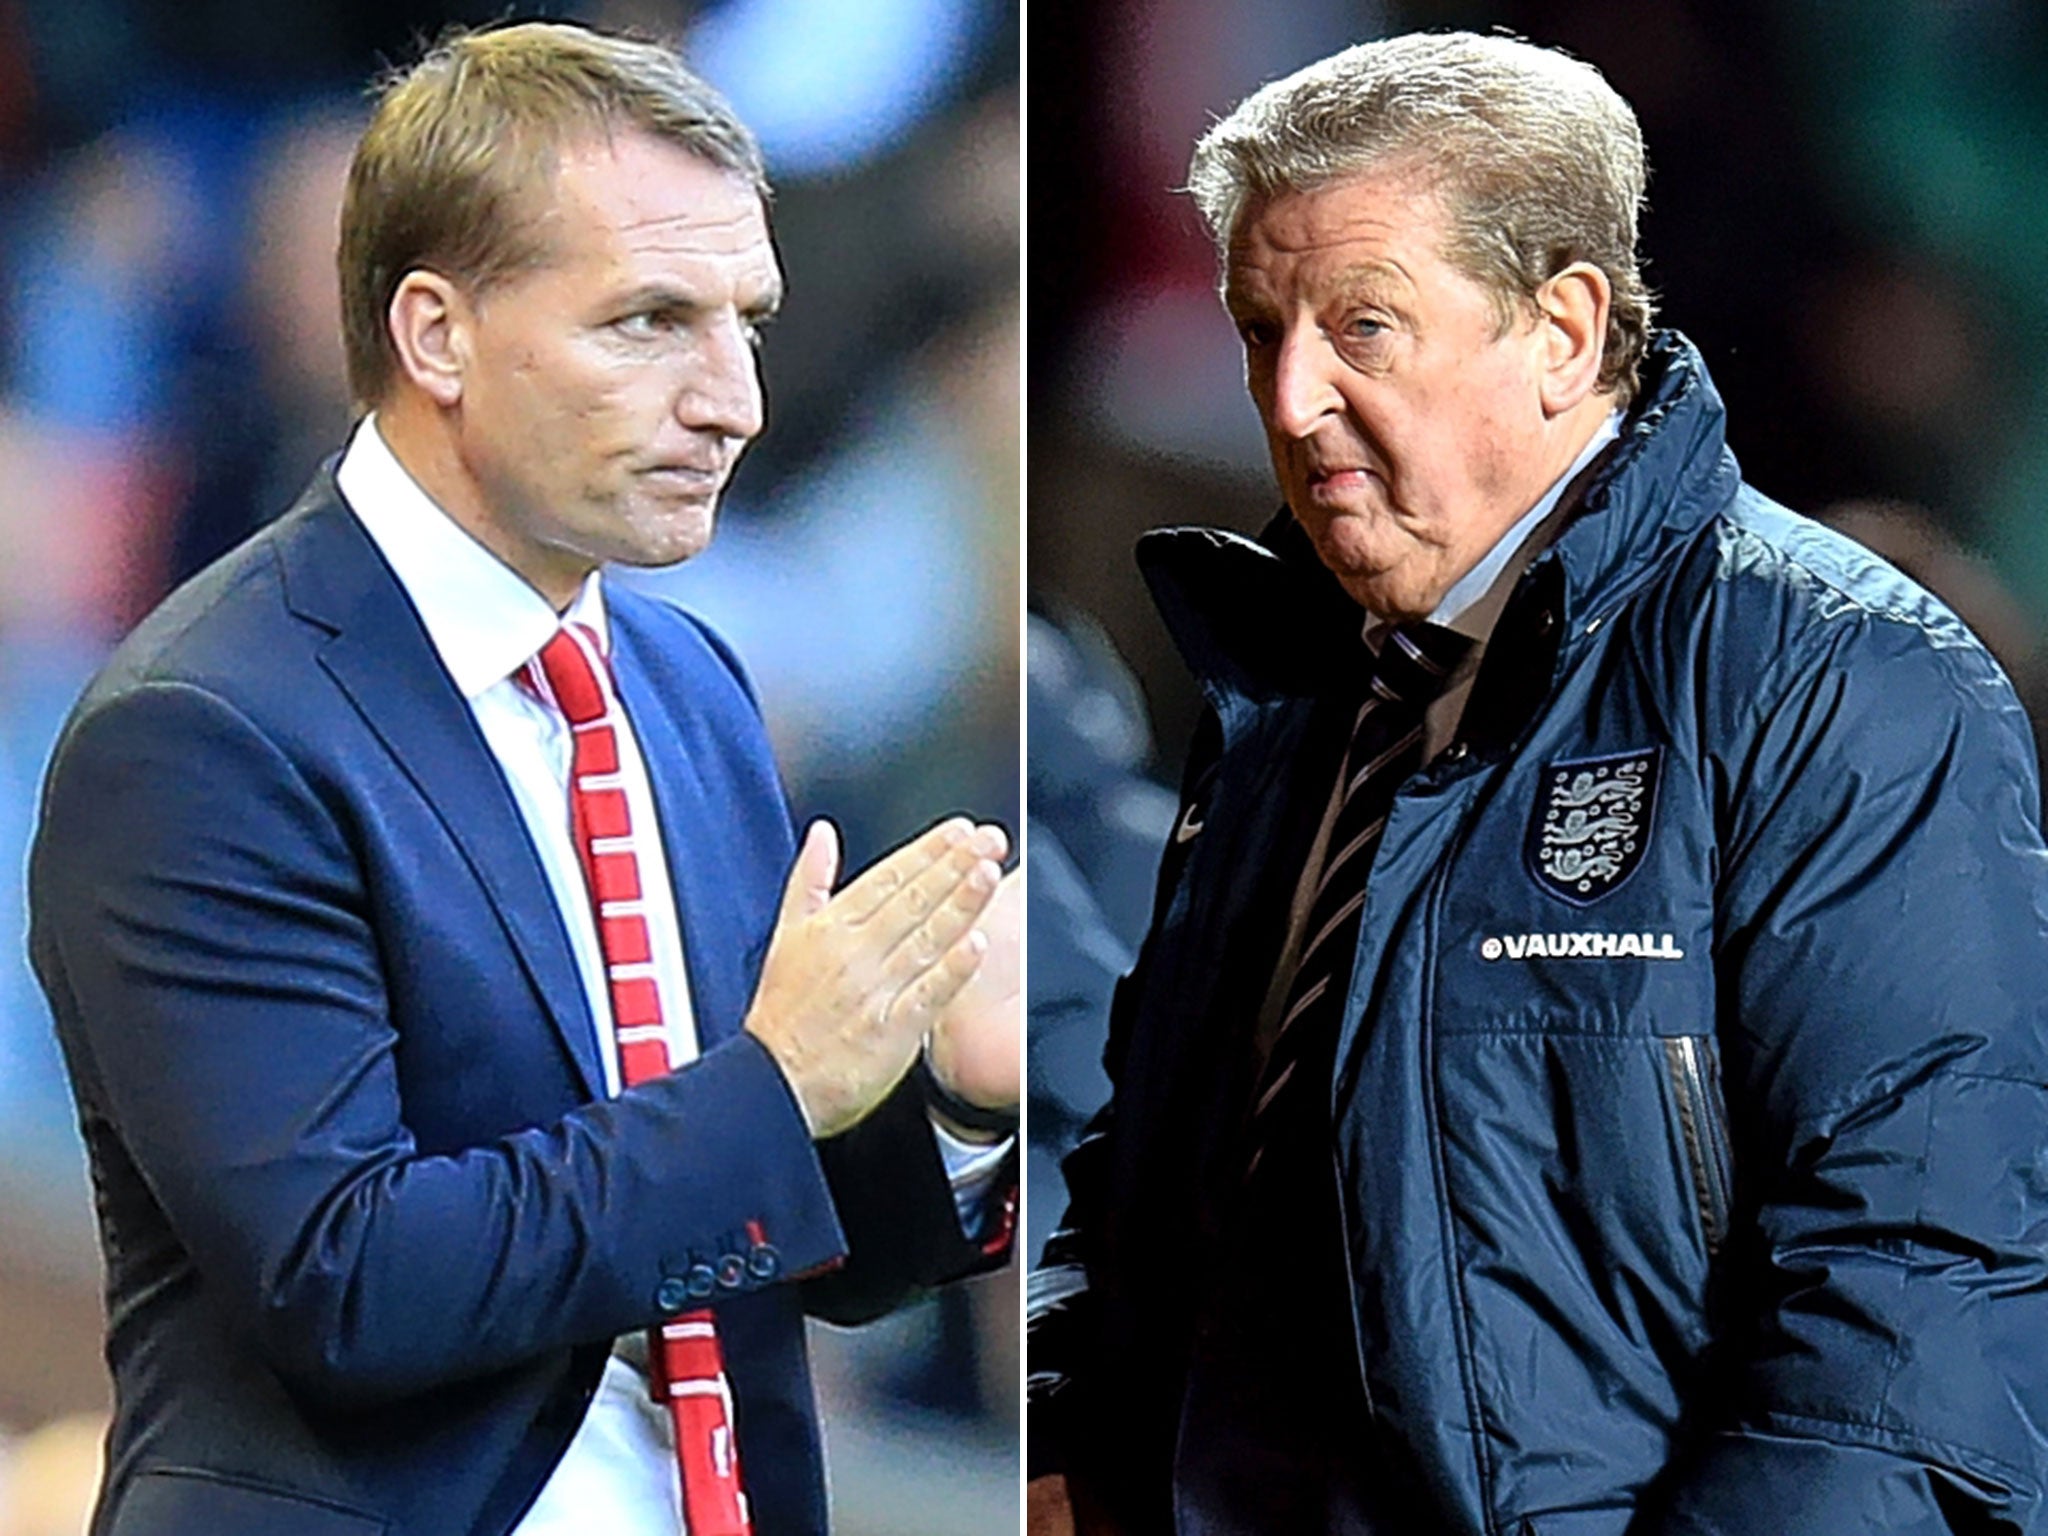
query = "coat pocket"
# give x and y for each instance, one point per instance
(191, 1501)
(1702, 1130)
(1580, 1265)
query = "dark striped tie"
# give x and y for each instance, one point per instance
(1413, 664)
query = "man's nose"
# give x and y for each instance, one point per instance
(722, 392)
(1304, 380)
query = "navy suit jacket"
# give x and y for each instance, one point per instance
(370, 1222)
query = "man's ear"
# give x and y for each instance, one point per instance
(430, 321)
(1571, 312)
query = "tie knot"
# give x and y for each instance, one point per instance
(569, 665)
(1415, 661)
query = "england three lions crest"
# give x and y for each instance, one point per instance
(1592, 823)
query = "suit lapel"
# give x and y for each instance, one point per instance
(380, 656)
(694, 836)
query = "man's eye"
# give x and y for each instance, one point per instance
(1363, 327)
(642, 325)
(1257, 333)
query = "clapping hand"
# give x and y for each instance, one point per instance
(976, 1048)
(854, 982)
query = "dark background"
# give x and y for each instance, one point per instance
(1848, 214)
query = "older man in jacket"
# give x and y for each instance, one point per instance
(1586, 1072)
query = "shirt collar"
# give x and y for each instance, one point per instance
(483, 618)
(1467, 590)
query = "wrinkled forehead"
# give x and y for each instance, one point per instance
(1369, 230)
(1399, 167)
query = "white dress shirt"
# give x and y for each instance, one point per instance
(485, 622)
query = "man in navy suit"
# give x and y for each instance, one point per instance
(336, 965)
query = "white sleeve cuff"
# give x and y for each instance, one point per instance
(971, 1168)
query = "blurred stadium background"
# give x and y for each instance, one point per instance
(1848, 214)
(170, 375)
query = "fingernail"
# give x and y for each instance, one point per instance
(983, 876)
(977, 941)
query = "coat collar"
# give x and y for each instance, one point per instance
(1263, 618)
(1669, 474)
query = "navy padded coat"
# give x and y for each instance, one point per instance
(1693, 1158)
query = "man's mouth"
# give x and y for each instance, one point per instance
(1329, 481)
(689, 476)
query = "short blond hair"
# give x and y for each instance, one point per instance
(1537, 159)
(447, 175)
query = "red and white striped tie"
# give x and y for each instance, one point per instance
(688, 1367)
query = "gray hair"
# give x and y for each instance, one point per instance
(465, 142)
(1538, 161)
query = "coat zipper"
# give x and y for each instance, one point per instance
(1699, 1125)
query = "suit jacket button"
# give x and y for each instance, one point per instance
(703, 1281)
(732, 1269)
(672, 1295)
(764, 1262)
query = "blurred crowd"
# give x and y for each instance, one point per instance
(171, 376)
(1846, 214)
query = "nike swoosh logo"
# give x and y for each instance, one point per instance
(1189, 828)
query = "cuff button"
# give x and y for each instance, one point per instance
(672, 1295)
